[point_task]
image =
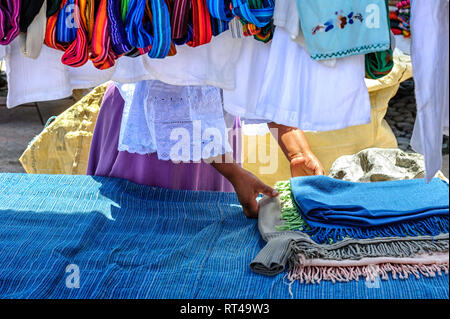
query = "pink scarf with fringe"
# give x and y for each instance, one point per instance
(313, 271)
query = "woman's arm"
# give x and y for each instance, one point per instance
(296, 148)
(246, 185)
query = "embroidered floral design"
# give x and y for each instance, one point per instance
(341, 21)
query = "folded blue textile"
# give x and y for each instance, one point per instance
(336, 208)
(134, 241)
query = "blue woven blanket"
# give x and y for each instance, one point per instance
(131, 241)
(336, 209)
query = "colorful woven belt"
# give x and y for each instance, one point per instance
(77, 54)
(66, 30)
(220, 9)
(119, 40)
(53, 7)
(191, 23)
(9, 20)
(102, 55)
(50, 32)
(257, 12)
(142, 19)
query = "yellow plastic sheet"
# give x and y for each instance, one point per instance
(63, 146)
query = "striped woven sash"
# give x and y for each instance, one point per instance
(257, 12)
(162, 34)
(180, 21)
(9, 20)
(142, 20)
(102, 55)
(50, 33)
(77, 54)
(66, 28)
(191, 23)
(29, 9)
(119, 40)
(220, 9)
(221, 15)
(201, 21)
(124, 8)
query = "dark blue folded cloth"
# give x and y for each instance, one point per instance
(335, 209)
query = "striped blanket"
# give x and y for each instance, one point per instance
(91, 237)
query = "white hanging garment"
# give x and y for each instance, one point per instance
(281, 83)
(430, 58)
(46, 78)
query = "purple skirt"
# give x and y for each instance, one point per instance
(106, 160)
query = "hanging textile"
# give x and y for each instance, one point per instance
(220, 9)
(116, 25)
(180, 19)
(142, 19)
(9, 21)
(77, 54)
(161, 41)
(102, 55)
(53, 7)
(66, 28)
(345, 27)
(50, 33)
(379, 64)
(29, 9)
(259, 15)
(32, 41)
(430, 60)
(201, 23)
(192, 23)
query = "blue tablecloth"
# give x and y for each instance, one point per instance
(131, 241)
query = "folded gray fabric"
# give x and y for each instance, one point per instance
(282, 248)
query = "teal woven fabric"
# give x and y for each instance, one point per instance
(339, 28)
(133, 241)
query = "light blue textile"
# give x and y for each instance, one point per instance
(337, 209)
(339, 28)
(133, 241)
(180, 123)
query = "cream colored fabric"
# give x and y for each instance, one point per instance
(63, 146)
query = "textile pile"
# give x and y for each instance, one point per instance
(326, 229)
(400, 19)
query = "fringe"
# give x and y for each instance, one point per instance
(316, 274)
(431, 226)
(355, 250)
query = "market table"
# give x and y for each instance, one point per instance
(131, 241)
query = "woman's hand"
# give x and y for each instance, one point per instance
(248, 187)
(296, 148)
(306, 165)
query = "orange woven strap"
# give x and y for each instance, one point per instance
(102, 55)
(50, 32)
(77, 53)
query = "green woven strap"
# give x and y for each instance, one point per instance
(379, 64)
